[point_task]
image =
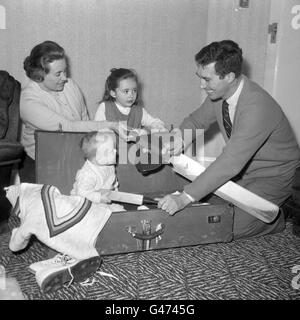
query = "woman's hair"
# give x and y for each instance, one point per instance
(113, 80)
(89, 140)
(36, 64)
(226, 54)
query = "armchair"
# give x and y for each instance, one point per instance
(11, 150)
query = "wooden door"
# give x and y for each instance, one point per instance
(249, 28)
(283, 63)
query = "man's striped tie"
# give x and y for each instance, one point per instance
(226, 119)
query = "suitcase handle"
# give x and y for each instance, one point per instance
(142, 236)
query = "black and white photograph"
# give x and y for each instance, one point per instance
(150, 153)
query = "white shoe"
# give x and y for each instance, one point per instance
(52, 276)
(59, 259)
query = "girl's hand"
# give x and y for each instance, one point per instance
(160, 129)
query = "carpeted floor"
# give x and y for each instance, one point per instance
(257, 268)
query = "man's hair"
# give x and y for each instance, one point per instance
(227, 55)
(89, 140)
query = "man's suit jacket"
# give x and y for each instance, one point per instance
(262, 153)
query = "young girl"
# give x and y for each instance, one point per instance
(120, 102)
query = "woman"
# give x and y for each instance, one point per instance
(52, 101)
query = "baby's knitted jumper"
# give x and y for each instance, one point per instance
(67, 224)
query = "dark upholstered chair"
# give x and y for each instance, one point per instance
(11, 151)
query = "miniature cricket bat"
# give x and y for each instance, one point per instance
(246, 200)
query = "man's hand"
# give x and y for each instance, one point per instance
(176, 147)
(173, 203)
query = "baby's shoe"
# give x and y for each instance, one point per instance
(59, 259)
(52, 275)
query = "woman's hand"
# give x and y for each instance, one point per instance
(122, 130)
(139, 132)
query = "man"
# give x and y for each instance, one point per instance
(261, 153)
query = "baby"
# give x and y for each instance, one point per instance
(97, 176)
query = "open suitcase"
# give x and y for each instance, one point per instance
(58, 157)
